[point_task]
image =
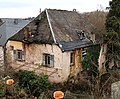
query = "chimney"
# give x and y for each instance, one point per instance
(92, 37)
(16, 21)
(74, 10)
(40, 10)
(39, 14)
(26, 33)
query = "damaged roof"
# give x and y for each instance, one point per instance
(72, 45)
(60, 27)
(67, 24)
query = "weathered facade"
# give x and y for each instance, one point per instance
(8, 27)
(36, 58)
(52, 44)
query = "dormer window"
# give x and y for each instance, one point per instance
(81, 34)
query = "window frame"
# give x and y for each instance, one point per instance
(18, 55)
(84, 53)
(72, 58)
(48, 60)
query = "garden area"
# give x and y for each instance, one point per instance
(28, 85)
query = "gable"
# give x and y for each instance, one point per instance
(42, 33)
(39, 31)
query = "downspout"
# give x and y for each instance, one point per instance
(50, 26)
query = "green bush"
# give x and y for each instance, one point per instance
(2, 89)
(34, 84)
(91, 60)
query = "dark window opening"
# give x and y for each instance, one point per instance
(84, 54)
(72, 58)
(18, 55)
(81, 34)
(48, 60)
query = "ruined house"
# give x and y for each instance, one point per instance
(8, 27)
(53, 43)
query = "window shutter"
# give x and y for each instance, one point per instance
(15, 54)
(43, 59)
(23, 55)
(51, 60)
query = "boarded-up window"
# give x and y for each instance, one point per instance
(48, 60)
(18, 55)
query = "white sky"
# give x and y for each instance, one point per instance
(30, 8)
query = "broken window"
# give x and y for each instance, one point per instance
(18, 55)
(48, 60)
(84, 53)
(72, 58)
(81, 34)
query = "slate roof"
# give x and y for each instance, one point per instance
(1, 21)
(11, 26)
(67, 46)
(60, 27)
(65, 24)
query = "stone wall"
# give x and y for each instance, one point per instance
(115, 90)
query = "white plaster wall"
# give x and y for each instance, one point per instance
(34, 60)
(61, 69)
(34, 53)
(66, 64)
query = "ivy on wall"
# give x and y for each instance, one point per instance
(91, 60)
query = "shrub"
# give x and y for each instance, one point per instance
(34, 84)
(2, 89)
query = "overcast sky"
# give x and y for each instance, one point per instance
(30, 8)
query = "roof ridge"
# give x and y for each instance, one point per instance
(62, 10)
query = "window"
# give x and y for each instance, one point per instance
(72, 58)
(18, 55)
(84, 53)
(48, 60)
(81, 34)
